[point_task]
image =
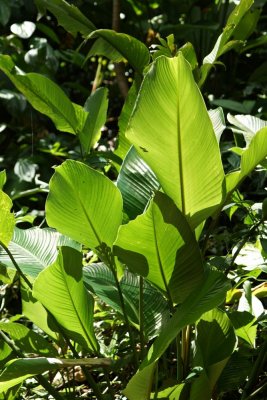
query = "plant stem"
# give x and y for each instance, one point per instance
(141, 316)
(29, 192)
(108, 257)
(26, 280)
(40, 378)
(180, 373)
(257, 367)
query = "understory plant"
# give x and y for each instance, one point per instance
(154, 308)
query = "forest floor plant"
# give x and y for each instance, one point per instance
(154, 315)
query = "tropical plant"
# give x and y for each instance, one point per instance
(193, 323)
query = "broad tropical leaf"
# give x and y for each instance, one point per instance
(27, 340)
(96, 106)
(215, 343)
(60, 289)
(160, 246)
(247, 125)
(130, 48)
(250, 158)
(102, 48)
(168, 138)
(7, 219)
(204, 298)
(18, 370)
(84, 204)
(99, 280)
(43, 94)
(35, 248)
(218, 121)
(137, 184)
(68, 16)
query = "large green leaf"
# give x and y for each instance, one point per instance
(207, 296)
(181, 150)
(43, 94)
(250, 158)
(7, 219)
(160, 246)
(223, 44)
(96, 106)
(247, 125)
(27, 340)
(84, 204)
(215, 342)
(68, 16)
(18, 370)
(99, 280)
(35, 248)
(60, 289)
(130, 48)
(137, 184)
(102, 48)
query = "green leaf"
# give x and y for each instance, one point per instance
(35, 248)
(27, 340)
(60, 289)
(250, 158)
(245, 327)
(84, 204)
(5, 12)
(189, 54)
(222, 45)
(207, 296)
(102, 48)
(2, 178)
(160, 246)
(247, 125)
(43, 94)
(36, 313)
(96, 106)
(186, 159)
(99, 280)
(137, 184)
(18, 370)
(130, 48)
(218, 121)
(68, 16)
(7, 219)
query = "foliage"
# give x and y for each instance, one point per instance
(148, 277)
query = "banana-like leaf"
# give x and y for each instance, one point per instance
(181, 150)
(18, 370)
(160, 246)
(207, 296)
(99, 280)
(84, 204)
(34, 249)
(223, 44)
(245, 326)
(214, 345)
(7, 219)
(218, 121)
(27, 340)
(96, 105)
(137, 184)
(102, 48)
(250, 158)
(61, 290)
(43, 94)
(68, 16)
(130, 48)
(247, 125)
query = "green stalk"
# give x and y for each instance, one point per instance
(257, 367)
(141, 316)
(26, 280)
(40, 378)
(108, 257)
